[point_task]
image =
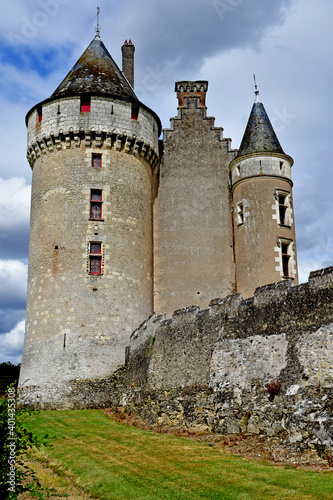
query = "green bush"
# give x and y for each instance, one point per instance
(15, 440)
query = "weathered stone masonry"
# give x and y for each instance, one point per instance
(261, 365)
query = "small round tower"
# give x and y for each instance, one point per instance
(93, 150)
(263, 218)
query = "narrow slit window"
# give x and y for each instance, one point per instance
(96, 204)
(95, 258)
(85, 104)
(96, 160)
(240, 214)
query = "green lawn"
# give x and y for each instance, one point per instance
(114, 461)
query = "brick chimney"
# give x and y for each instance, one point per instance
(128, 61)
(191, 94)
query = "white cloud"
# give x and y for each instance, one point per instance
(14, 218)
(14, 202)
(11, 344)
(13, 283)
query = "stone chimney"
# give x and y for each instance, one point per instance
(128, 61)
(191, 94)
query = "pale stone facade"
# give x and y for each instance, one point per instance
(193, 226)
(79, 318)
(119, 230)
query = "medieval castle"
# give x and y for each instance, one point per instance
(123, 225)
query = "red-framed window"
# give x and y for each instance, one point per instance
(95, 258)
(85, 104)
(96, 204)
(39, 113)
(135, 111)
(96, 161)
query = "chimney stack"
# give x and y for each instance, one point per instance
(128, 61)
(191, 94)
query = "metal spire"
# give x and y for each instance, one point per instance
(98, 31)
(256, 91)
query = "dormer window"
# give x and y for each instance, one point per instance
(39, 113)
(135, 110)
(85, 104)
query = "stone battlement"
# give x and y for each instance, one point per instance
(72, 139)
(59, 124)
(282, 299)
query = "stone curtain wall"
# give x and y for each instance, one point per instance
(264, 365)
(261, 365)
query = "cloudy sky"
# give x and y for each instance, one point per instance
(288, 44)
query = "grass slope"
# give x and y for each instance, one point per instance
(116, 462)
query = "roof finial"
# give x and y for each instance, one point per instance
(98, 31)
(256, 91)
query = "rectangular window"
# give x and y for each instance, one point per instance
(96, 204)
(85, 104)
(282, 209)
(95, 258)
(285, 259)
(96, 160)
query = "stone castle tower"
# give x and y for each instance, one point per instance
(119, 230)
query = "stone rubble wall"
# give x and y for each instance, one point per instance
(261, 365)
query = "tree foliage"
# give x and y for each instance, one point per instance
(15, 440)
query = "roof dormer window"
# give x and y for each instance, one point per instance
(39, 113)
(85, 104)
(135, 110)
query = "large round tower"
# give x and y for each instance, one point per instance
(93, 149)
(263, 218)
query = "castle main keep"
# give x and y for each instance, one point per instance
(124, 225)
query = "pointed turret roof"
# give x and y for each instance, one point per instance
(259, 136)
(96, 73)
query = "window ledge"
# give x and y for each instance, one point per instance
(287, 226)
(96, 220)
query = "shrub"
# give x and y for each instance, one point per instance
(15, 440)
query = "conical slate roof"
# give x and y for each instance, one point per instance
(259, 136)
(96, 73)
